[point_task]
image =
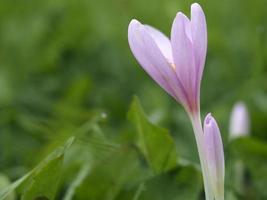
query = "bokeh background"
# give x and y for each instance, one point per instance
(66, 70)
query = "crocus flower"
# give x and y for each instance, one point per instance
(177, 64)
(214, 156)
(239, 121)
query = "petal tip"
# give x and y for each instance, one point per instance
(196, 9)
(180, 15)
(133, 28)
(134, 22)
(208, 119)
(180, 19)
(196, 6)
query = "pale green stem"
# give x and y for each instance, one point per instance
(198, 131)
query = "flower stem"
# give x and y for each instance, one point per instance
(198, 131)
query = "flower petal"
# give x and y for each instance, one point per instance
(183, 56)
(199, 37)
(214, 155)
(162, 41)
(150, 57)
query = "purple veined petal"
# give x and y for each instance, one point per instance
(162, 41)
(199, 38)
(150, 57)
(183, 55)
(214, 155)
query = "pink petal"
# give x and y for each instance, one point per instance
(214, 153)
(183, 55)
(239, 121)
(162, 41)
(199, 37)
(150, 57)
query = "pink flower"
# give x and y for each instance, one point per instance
(239, 121)
(214, 156)
(176, 64)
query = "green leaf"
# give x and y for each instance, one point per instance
(253, 154)
(111, 175)
(42, 181)
(154, 142)
(82, 174)
(4, 194)
(180, 184)
(42, 184)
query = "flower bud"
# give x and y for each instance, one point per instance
(239, 121)
(214, 156)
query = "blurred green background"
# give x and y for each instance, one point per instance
(66, 70)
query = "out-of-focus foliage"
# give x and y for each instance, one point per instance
(66, 70)
(42, 181)
(150, 138)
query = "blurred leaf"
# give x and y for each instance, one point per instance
(139, 191)
(253, 153)
(82, 174)
(154, 142)
(4, 194)
(250, 148)
(42, 181)
(4, 182)
(230, 195)
(179, 184)
(112, 174)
